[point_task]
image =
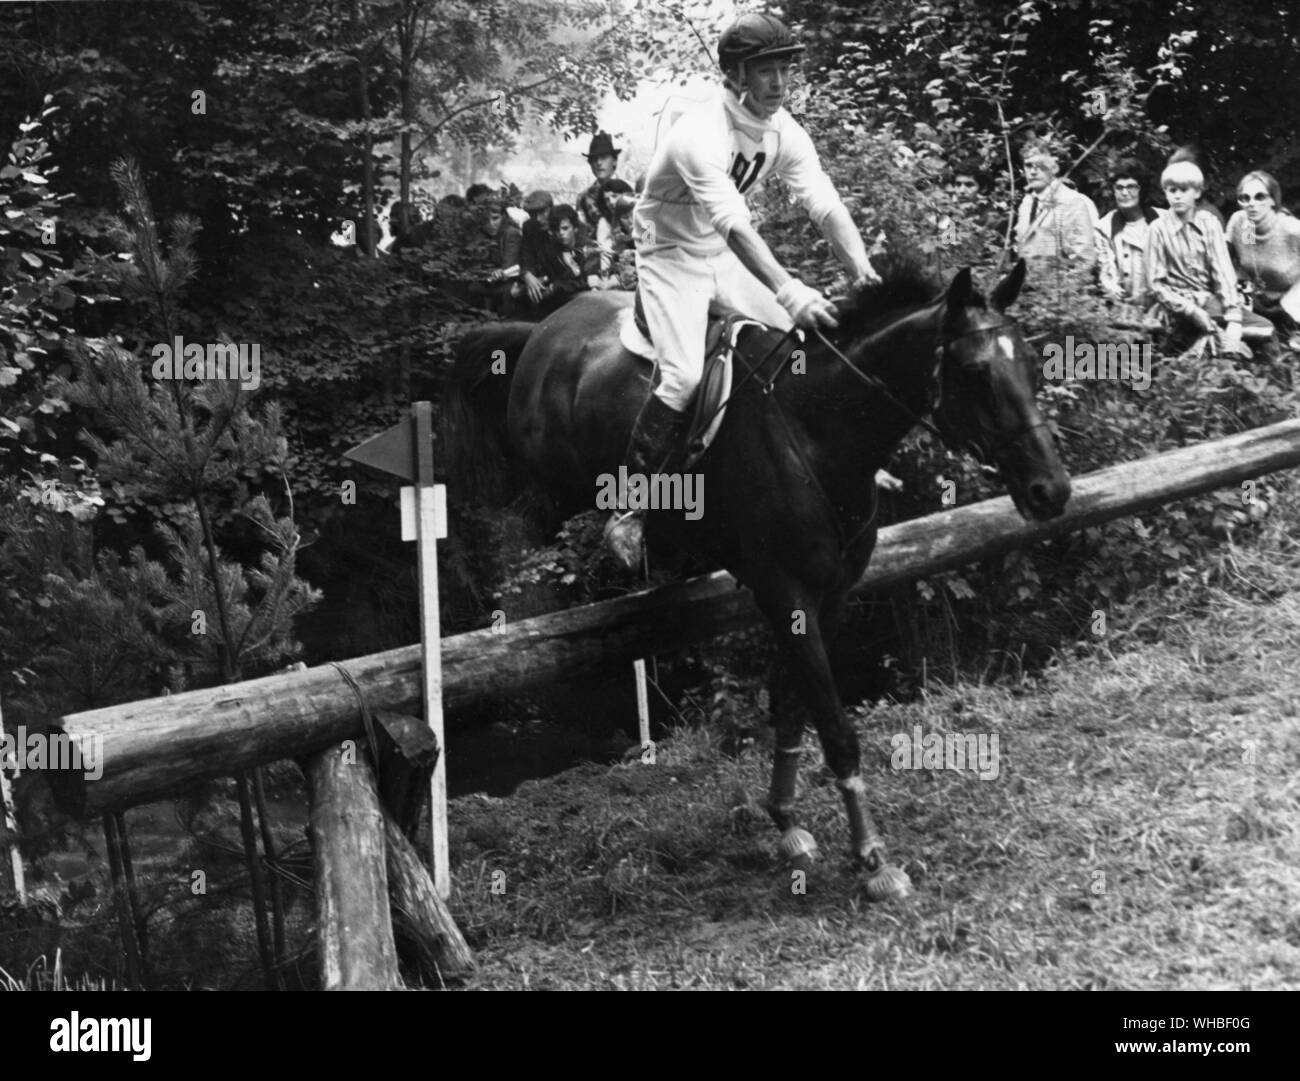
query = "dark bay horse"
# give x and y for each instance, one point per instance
(790, 500)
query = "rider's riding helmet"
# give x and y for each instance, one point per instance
(756, 37)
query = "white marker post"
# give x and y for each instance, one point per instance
(643, 712)
(11, 860)
(406, 449)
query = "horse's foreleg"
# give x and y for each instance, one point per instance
(789, 717)
(804, 643)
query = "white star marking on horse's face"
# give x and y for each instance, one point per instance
(1008, 349)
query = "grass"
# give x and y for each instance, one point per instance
(41, 976)
(1141, 832)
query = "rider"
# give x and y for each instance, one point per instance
(696, 242)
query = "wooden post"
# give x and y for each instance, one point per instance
(643, 712)
(354, 928)
(11, 860)
(121, 901)
(429, 523)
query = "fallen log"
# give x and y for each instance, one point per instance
(159, 746)
(427, 936)
(354, 930)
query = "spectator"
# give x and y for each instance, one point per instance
(609, 190)
(477, 194)
(447, 227)
(969, 187)
(495, 281)
(1190, 152)
(1189, 268)
(603, 159)
(624, 242)
(1265, 245)
(536, 243)
(969, 184)
(1122, 236)
(561, 266)
(1054, 221)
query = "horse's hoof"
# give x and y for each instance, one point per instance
(888, 883)
(798, 848)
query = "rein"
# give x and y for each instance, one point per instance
(875, 384)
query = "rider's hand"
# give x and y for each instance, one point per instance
(867, 275)
(807, 307)
(533, 286)
(887, 482)
(1232, 334)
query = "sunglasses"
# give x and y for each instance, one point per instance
(1258, 197)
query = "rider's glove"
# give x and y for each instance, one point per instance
(801, 301)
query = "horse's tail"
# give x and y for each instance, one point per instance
(474, 409)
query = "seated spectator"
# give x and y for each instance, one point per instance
(1122, 237)
(604, 245)
(1191, 153)
(1054, 222)
(623, 268)
(1190, 270)
(619, 256)
(1265, 245)
(559, 273)
(499, 268)
(538, 205)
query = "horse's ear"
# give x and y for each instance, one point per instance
(1006, 291)
(960, 290)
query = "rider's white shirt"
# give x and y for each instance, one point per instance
(710, 160)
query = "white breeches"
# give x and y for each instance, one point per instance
(676, 289)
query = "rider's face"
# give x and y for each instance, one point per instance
(603, 166)
(766, 83)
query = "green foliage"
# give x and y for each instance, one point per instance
(575, 568)
(38, 290)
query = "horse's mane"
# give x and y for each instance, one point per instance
(905, 285)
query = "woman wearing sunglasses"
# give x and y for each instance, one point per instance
(1265, 245)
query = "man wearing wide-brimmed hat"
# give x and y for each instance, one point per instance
(602, 156)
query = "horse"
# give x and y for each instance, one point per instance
(791, 502)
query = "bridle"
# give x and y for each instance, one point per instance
(938, 398)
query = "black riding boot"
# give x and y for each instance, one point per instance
(655, 447)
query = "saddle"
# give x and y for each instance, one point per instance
(708, 406)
